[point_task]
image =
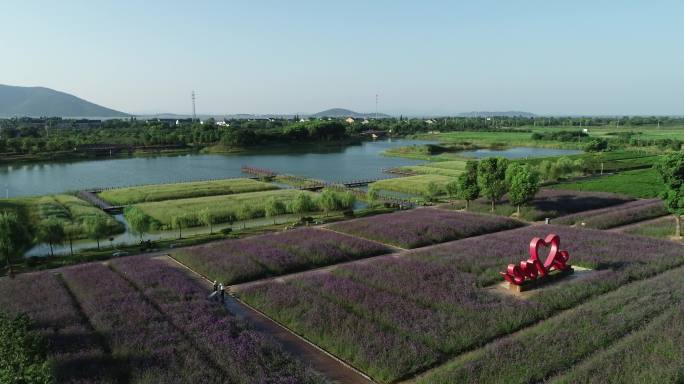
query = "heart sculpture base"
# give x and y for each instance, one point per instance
(551, 277)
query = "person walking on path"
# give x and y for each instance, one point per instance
(222, 291)
(215, 286)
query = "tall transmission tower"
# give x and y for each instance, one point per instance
(194, 115)
(376, 106)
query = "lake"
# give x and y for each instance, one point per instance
(337, 164)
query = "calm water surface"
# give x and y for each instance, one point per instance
(339, 164)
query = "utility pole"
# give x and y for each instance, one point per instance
(194, 115)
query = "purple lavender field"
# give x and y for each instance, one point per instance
(485, 256)
(140, 320)
(75, 351)
(624, 214)
(420, 227)
(435, 303)
(236, 261)
(242, 355)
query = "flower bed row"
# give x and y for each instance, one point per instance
(654, 354)
(486, 256)
(134, 329)
(420, 227)
(235, 261)
(632, 212)
(74, 350)
(393, 317)
(536, 353)
(244, 355)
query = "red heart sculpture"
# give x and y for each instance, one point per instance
(533, 268)
(556, 257)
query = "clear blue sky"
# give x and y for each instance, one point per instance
(422, 57)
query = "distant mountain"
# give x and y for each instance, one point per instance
(340, 112)
(39, 101)
(497, 114)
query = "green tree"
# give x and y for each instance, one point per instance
(96, 227)
(72, 232)
(179, 222)
(23, 353)
(329, 201)
(373, 195)
(432, 191)
(51, 231)
(273, 208)
(347, 200)
(302, 204)
(491, 177)
(207, 217)
(671, 170)
(452, 189)
(244, 212)
(523, 184)
(138, 220)
(12, 238)
(468, 188)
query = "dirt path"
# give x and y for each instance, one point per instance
(320, 360)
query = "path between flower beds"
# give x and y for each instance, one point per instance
(390, 246)
(321, 361)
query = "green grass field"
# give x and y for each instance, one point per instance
(221, 206)
(149, 193)
(68, 209)
(413, 185)
(643, 183)
(430, 170)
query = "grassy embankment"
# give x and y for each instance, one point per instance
(222, 206)
(160, 192)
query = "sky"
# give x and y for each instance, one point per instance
(426, 57)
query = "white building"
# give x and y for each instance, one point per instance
(349, 120)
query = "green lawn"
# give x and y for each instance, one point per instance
(414, 185)
(160, 192)
(221, 206)
(643, 183)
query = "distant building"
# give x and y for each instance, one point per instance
(365, 121)
(223, 123)
(349, 120)
(429, 121)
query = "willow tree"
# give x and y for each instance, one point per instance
(12, 238)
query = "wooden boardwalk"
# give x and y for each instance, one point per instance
(92, 197)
